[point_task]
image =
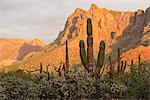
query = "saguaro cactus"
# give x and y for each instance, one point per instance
(67, 57)
(90, 57)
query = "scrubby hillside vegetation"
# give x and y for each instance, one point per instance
(76, 84)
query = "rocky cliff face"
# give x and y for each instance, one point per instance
(131, 30)
(12, 50)
(125, 24)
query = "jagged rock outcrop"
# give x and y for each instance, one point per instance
(125, 24)
(131, 28)
(12, 50)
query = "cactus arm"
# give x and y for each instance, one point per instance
(83, 54)
(101, 55)
(89, 27)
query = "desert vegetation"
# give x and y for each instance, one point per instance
(95, 80)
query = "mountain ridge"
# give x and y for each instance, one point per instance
(15, 49)
(132, 30)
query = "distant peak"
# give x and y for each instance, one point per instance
(78, 10)
(93, 6)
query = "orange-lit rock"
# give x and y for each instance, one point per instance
(12, 50)
(131, 30)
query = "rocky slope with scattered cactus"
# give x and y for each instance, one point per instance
(126, 30)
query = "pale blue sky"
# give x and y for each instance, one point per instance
(44, 19)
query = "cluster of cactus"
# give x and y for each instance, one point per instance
(88, 58)
(64, 67)
(121, 66)
(42, 72)
(60, 70)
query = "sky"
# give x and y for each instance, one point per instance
(44, 19)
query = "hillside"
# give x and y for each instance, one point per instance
(132, 34)
(12, 50)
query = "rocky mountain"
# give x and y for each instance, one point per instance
(131, 34)
(12, 50)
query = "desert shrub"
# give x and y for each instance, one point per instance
(18, 85)
(13, 88)
(110, 89)
(77, 86)
(3, 96)
(19, 74)
(42, 89)
(137, 81)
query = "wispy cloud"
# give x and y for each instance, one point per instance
(44, 19)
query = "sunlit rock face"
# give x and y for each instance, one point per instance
(12, 50)
(131, 28)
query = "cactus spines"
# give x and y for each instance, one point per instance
(83, 54)
(67, 57)
(101, 57)
(90, 46)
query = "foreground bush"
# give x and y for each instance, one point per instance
(13, 88)
(131, 85)
(137, 81)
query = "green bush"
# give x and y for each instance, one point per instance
(13, 88)
(137, 81)
(43, 89)
(18, 85)
(110, 89)
(77, 86)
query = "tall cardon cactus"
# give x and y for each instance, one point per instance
(67, 57)
(88, 58)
